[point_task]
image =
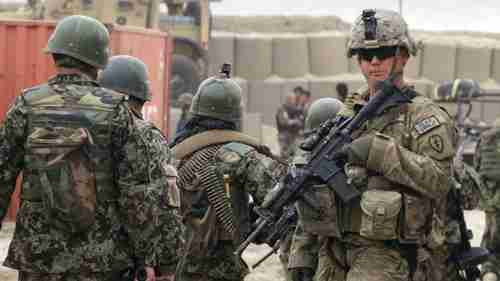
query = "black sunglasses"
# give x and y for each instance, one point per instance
(381, 53)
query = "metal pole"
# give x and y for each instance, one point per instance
(401, 7)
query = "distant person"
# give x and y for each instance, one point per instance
(290, 123)
(184, 103)
(342, 91)
(304, 102)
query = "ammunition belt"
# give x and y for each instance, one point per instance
(212, 183)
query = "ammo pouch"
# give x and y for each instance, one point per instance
(380, 214)
(323, 219)
(66, 176)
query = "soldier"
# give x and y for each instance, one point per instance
(70, 138)
(487, 161)
(289, 121)
(400, 161)
(184, 102)
(152, 158)
(313, 227)
(219, 168)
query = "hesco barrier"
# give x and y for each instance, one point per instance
(24, 65)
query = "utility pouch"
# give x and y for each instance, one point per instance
(379, 218)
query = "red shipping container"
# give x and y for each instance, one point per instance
(24, 65)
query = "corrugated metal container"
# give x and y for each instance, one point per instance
(24, 65)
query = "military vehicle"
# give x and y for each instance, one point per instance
(188, 22)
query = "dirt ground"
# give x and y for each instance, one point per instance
(270, 270)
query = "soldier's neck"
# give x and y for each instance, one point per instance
(69, 71)
(136, 108)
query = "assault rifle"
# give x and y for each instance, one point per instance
(324, 163)
(466, 257)
(285, 224)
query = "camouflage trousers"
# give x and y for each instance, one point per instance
(328, 268)
(288, 145)
(371, 261)
(31, 276)
(221, 265)
(491, 241)
(284, 254)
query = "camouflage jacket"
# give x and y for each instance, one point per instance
(209, 245)
(104, 247)
(411, 153)
(160, 227)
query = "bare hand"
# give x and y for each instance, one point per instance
(150, 273)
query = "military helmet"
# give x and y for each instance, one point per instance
(128, 75)
(219, 98)
(322, 110)
(380, 28)
(184, 100)
(457, 89)
(82, 38)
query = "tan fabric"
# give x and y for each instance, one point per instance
(211, 137)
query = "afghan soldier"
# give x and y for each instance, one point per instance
(184, 102)
(152, 158)
(487, 162)
(289, 121)
(405, 155)
(315, 227)
(219, 168)
(71, 138)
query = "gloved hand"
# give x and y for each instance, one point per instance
(302, 274)
(489, 276)
(357, 151)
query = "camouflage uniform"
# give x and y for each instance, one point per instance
(487, 162)
(405, 155)
(217, 172)
(94, 245)
(289, 122)
(152, 159)
(308, 249)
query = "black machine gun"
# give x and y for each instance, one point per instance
(466, 257)
(324, 164)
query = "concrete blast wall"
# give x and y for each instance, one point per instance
(290, 56)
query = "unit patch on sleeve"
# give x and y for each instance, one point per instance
(426, 125)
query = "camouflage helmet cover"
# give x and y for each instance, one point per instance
(128, 75)
(83, 38)
(322, 110)
(390, 29)
(218, 98)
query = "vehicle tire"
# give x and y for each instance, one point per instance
(185, 77)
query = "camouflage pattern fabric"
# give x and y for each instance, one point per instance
(104, 248)
(392, 30)
(284, 254)
(151, 158)
(209, 247)
(30, 276)
(409, 147)
(490, 204)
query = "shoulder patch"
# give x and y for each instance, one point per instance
(427, 124)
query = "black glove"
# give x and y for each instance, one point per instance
(302, 274)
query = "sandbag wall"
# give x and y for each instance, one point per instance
(270, 65)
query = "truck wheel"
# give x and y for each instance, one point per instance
(185, 77)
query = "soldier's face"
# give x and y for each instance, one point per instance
(377, 64)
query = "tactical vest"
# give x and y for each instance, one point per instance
(387, 210)
(490, 154)
(68, 150)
